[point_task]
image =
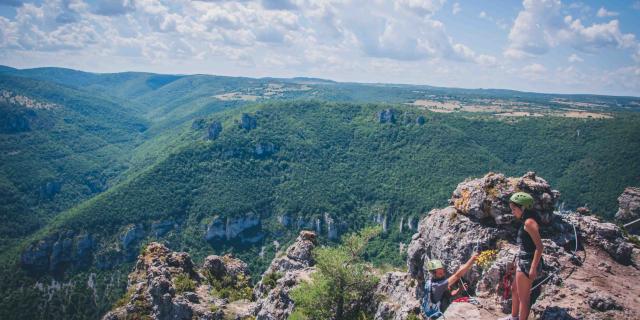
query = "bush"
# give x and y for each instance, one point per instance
(343, 284)
(183, 283)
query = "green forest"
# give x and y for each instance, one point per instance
(134, 160)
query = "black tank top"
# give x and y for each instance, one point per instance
(526, 244)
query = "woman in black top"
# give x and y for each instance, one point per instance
(529, 263)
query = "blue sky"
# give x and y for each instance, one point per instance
(532, 45)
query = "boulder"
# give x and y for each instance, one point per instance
(603, 302)
(604, 235)
(629, 202)
(398, 296)
(273, 301)
(488, 197)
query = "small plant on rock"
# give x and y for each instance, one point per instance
(183, 283)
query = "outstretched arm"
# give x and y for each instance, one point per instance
(462, 270)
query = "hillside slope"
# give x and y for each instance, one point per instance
(58, 146)
(246, 180)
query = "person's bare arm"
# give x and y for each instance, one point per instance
(531, 227)
(462, 270)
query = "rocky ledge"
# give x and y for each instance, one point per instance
(596, 281)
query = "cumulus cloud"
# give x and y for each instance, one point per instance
(421, 7)
(575, 58)
(541, 26)
(602, 13)
(456, 8)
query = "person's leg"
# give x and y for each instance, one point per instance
(515, 301)
(524, 287)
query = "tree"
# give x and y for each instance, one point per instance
(342, 284)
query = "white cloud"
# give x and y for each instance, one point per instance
(421, 7)
(602, 13)
(482, 15)
(456, 8)
(575, 58)
(541, 26)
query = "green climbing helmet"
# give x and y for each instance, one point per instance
(523, 199)
(434, 264)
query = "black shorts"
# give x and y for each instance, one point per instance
(524, 265)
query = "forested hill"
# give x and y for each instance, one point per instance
(246, 180)
(58, 146)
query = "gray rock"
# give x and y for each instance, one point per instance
(214, 130)
(248, 122)
(387, 116)
(604, 235)
(488, 197)
(230, 228)
(154, 294)
(160, 228)
(629, 202)
(603, 302)
(451, 237)
(296, 265)
(398, 296)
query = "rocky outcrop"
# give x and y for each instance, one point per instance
(487, 197)
(58, 252)
(214, 130)
(166, 285)
(447, 235)
(387, 116)
(604, 235)
(284, 273)
(629, 202)
(264, 149)
(477, 221)
(248, 122)
(231, 228)
(398, 296)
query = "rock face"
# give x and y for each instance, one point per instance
(398, 296)
(273, 301)
(478, 220)
(231, 228)
(248, 122)
(605, 235)
(58, 252)
(387, 116)
(488, 196)
(629, 202)
(214, 130)
(447, 235)
(166, 285)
